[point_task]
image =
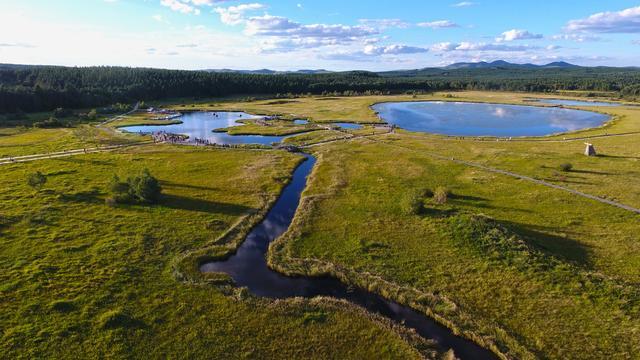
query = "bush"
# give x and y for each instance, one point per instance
(440, 195)
(413, 203)
(566, 167)
(118, 319)
(143, 188)
(63, 306)
(36, 180)
(50, 123)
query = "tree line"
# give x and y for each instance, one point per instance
(45, 88)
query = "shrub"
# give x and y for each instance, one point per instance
(50, 123)
(566, 167)
(63, 306)
(314, 317)
(36, 180)
(413, 203)
(117, 319)
(440, 195)
(143, 188)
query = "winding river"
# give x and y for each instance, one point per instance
(248, 268)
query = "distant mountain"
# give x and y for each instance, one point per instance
(501, 64)
(268, 71)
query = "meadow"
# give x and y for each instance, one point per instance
(82, 278)
(526, 270)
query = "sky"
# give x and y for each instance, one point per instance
(320, 34)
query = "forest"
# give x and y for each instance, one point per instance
(45, 88)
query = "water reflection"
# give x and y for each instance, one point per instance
(201, 125)
(474, 119)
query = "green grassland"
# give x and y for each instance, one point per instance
(581, 304)
(542, 273)
(27, 141)
(141, 118)
(274, 128)
(84, 279)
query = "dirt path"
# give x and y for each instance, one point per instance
(522, 177)
(66, 153)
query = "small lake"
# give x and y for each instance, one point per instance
(348, 126)
(476, 119)
(575, 102)
(201, 125)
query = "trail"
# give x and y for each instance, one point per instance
(521, 177)
(66, 153)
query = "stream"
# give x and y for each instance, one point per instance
(248, 268)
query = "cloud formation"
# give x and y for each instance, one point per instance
(463, 4)
(517, 34)
(235, 15)
(382, 24)
(439, 24)
(371, 51)
(624, 21)
(470, 46)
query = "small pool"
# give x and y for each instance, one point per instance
(300, 122)
(475, 119)
(348, 126)
(200, 125)
(575, 102)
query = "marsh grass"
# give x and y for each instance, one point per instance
(539, 271)
(80, 278)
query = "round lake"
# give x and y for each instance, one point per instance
(476, 119)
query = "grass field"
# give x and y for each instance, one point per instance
(354, 219)
(546, 274)
(27, 141)
(80, 278)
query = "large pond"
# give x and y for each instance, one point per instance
(575, 102)
(475, 119)
(200, 125)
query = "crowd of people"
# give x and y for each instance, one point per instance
(162, 136)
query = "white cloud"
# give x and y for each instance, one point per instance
(279, 26)
(372, 52)
(393, 50)
(624, 21)
(517, 34)
(440, 24)
(469, 46)
(576, 37)
(180, 6)
(384, 23)
(235, 15)
(463, 4)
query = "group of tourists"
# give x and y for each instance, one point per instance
(162, 136)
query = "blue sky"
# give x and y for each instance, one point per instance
(328, 34)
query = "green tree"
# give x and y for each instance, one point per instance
(143, 188)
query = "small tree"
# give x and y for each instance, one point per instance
(413, 203)
(143, 188)
(36, 180)
(566, 167)
(146, 188)
(440, 195)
